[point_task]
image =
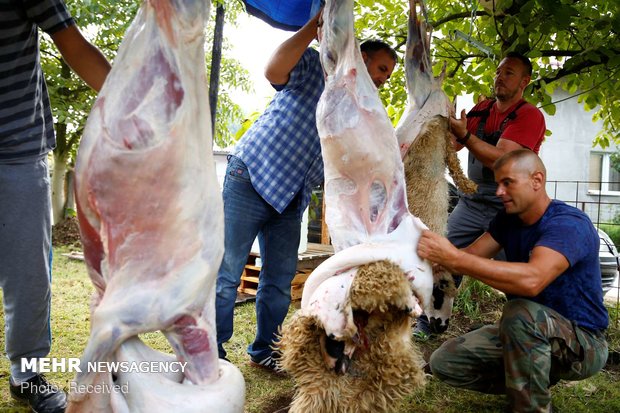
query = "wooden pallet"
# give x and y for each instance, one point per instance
(307, 261)
(249, 281)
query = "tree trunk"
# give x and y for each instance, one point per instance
(216, 59)
(69, 208)
(58, 188)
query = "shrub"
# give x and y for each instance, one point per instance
(613, 230)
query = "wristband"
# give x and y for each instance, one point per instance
(464, 139)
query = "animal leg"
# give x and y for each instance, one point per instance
(191, 342)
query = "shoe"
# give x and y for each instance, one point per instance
(422, 330)
(40, 395)
(270, 364)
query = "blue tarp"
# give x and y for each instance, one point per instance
(283, 14)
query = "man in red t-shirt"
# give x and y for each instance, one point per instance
(492, 128)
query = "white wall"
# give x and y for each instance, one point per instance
(566, 152)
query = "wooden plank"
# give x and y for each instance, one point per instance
(314, 255)
(247, 290)
(250, 279)
(296, 292)
(301, 277)
(313, 251)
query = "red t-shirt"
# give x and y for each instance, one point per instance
(527, 129)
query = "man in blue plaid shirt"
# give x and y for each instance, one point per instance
(268, 184)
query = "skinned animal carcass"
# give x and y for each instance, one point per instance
(349, 348)
(426, 147)
(151, 222)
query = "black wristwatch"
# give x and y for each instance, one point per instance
(464, 139)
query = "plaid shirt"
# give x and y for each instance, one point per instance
(282, 150)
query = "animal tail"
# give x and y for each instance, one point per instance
(463, 183)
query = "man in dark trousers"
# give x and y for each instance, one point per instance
(553, 325)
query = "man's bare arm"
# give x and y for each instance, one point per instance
(524, 279)
(83, 58)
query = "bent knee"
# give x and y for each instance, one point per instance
(439, 365)
(444, 364)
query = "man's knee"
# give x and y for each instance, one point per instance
(446, 363)
(440, 365)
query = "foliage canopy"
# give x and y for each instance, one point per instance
(573, 46)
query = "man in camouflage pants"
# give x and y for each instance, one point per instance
(552, 326)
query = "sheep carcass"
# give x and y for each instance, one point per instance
(360, 324)
(151, 219)
(426, 146)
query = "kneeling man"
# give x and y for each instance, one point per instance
(552, 326)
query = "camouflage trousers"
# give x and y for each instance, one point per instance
(527, 351)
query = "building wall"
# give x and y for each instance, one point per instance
(566, 154)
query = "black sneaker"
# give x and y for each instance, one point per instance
(422, 330)
(40, 395)
(270, 364)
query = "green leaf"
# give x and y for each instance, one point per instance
(549, 109)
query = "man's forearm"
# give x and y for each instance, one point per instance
(83, 58)
(509, 277)
(286, 56)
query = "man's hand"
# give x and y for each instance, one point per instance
(459, 126)
(438, 249)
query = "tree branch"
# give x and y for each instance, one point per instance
(459, 63)
(458, 16)
(576, 69)
(583, 91)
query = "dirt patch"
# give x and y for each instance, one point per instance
(280, 404)
(66, 233)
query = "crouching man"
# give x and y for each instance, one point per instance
(552, 326)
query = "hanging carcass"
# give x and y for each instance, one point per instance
(349, 348)
(151, 221)
(426, 147)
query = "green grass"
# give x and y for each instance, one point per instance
(613, 230)
(265, 393)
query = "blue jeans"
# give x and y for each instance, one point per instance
(246, 216)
